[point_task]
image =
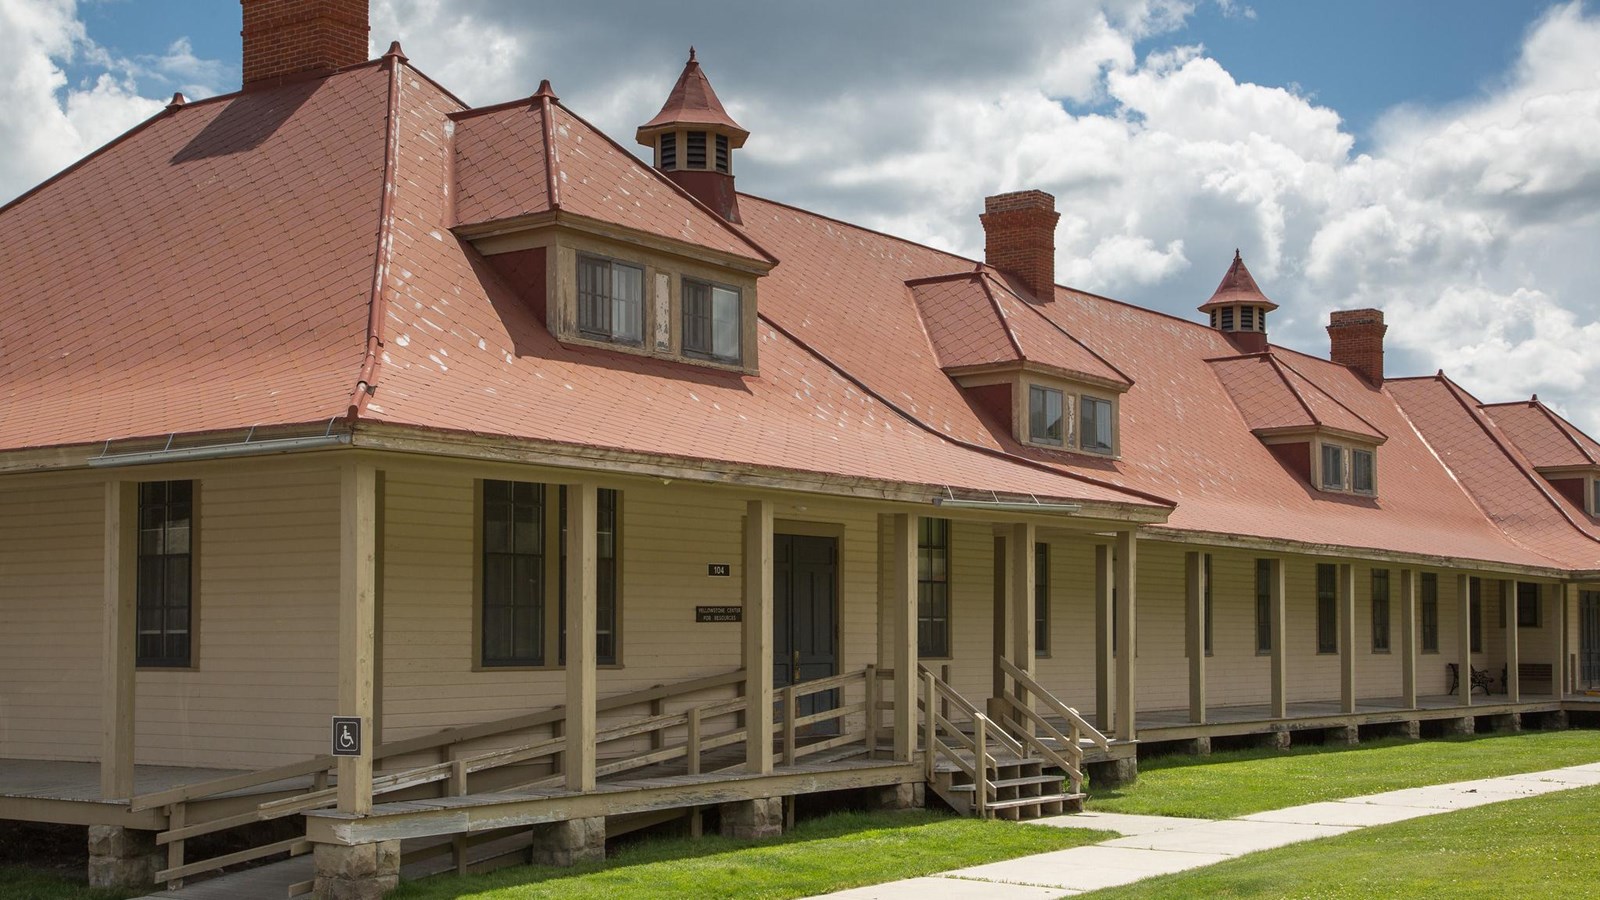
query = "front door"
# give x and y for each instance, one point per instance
(805, 619)
(1589, 637)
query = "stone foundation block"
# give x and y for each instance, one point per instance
(1509, 723)
(1342, 736)
(900, 796)
(1461, 727)
(1113, 773)
(123, 857)
(1555, 720)
(752, 819)
(1200, 746)
(1410, 730)
(359, 872)
(1273, 740)
(569, 842)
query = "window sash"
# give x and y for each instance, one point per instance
(1046, 415)
(1430, 613)
(933, 587)
(1327, 609)
(610, 299)
(1263, 606)
(713, 321)
(164, 579)
(1361, 471)
(1380, 610)
(1332, 467)
(513, 585)
(1041, 599)
(1096, 423)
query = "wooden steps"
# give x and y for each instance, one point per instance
(1018, 789)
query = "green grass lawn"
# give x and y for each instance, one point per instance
(1540, 847)
(1225, 785)
(829, 854)
(20, 883)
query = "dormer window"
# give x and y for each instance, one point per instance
(1046, 416)
(712, 321)
(610, 300)
(1348, 470)
(1099, 421)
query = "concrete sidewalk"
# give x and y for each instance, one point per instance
(1160, 845)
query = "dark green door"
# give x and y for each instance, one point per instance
(805, 639)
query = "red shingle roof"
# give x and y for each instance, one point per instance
(1548, 440)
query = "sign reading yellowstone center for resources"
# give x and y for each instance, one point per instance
(719, 614)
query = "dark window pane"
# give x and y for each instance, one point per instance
(162, 579)
(1327, 609)
(1263, 606)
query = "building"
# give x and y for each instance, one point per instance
(335, 397)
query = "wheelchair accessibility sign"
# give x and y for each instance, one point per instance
(346, 735)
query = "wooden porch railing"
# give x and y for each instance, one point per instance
(1070, 756)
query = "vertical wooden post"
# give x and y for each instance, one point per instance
(692, 741)
(1280, 639)
(1126, 565)
(1022, 583)
(1509, 602)
(1347, 637)
(1103, 649)
(357, 626)
(789, 747)
(177, 817)
(758, 636)
(1408, 638)
(930, 725)
(118, 647)
(1464, 638)
(1194, 579)
(903, 584)
(872, 710)
(582, 603)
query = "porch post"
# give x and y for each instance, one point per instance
(1126, 566)
(1280, 639)
(903, 585)
(758, 636)
(1509, 601)
(582, 603)
(1464, 638)
(118, 651)
(357, 625)
(1194, 579)
(1347, 637)
(1022, 583)
(1408, 638)
(1104, 581)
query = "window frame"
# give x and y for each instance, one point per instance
(551, 644)
(1382, 637)
(188, 660)
(610, 336)
(1428, 597)
(1344, 455)
(1081, 430)
(685, 282)
(1371, 456)
(1327, 610)
(926, 526)
(1044, 391)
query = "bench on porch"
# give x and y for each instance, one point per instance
(1480, 678)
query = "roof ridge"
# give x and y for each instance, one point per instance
(673, 185)
(1278, 368)
(1340, 403)
(367, 378)
(1513, 455)
(1005, 323)
(1560, 425)
(1072, 337)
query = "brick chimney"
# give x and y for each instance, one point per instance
(288, 37)
(1019, 238)
(1356, 338)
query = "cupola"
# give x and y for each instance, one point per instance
(1239, 309)
(693, 139)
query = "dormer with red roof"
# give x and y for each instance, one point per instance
(1239, 309)
(1562, 454)
(693, 138)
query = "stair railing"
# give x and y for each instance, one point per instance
(1067, 751)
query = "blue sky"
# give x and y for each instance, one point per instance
(1438, 160)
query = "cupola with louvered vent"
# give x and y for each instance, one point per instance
(693, 138)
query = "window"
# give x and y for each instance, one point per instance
(1263, 606)
(1361, 474)
(1332, 467)
(1327, 609)
(513, 573)
(669, 151)
(712, 321)
(1096, 419)
(697, 149)
(610, 299)
(933, 587)
(722, 153)
(1205, 601)
(1380, 610)
(165, 573)
(1041, 599)
(524, 550)
(1476, 613)
(1527, 604)
(1430, 612)
(1046, 419)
